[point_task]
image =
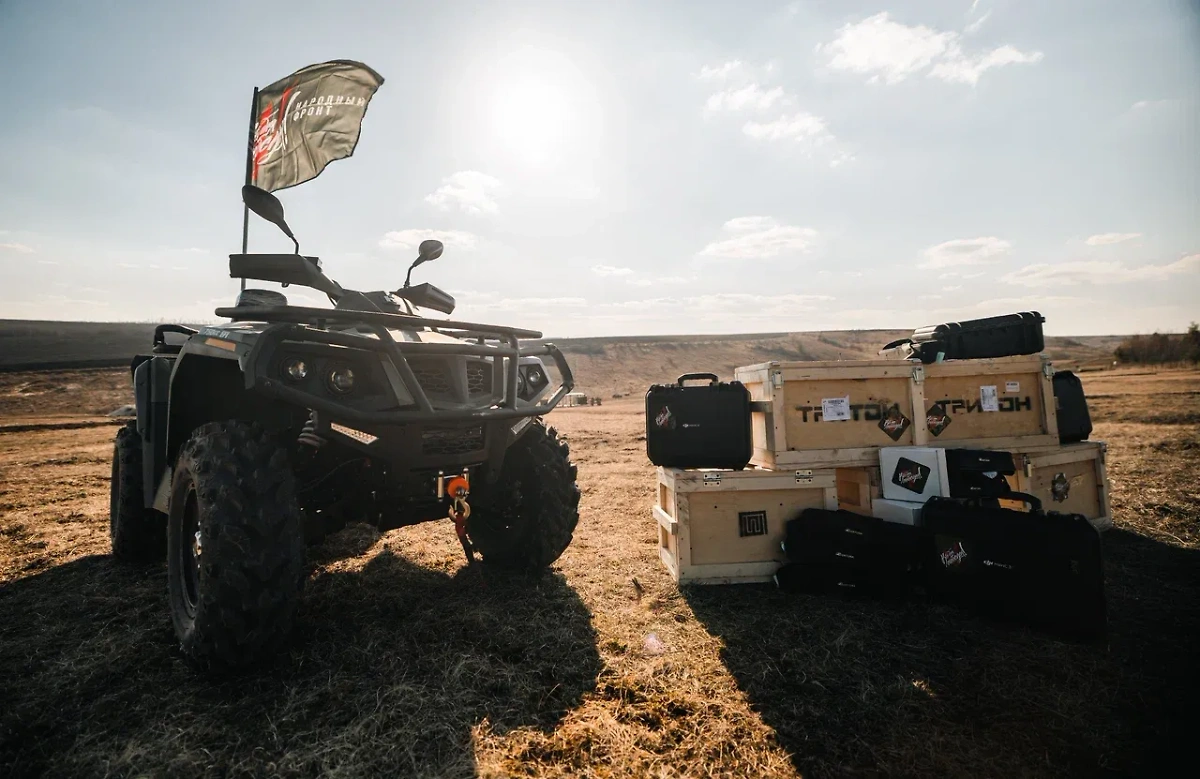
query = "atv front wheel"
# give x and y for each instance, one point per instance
(235, 539)
(527, 518)
(138, 534)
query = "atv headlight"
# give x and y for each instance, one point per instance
(521, 383)
(295, 369)
(340, 380)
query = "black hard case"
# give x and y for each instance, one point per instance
(979, 473)
(698, 426)
(997, 336)
(840, 550)
(1044, 569)
(1074, 420)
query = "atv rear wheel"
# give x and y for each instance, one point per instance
(138, 534)
(527, 518)
(235, 564)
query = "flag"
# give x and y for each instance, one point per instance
(308, 120)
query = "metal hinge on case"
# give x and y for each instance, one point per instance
(776, 379)
(804, 477)
(919, 374)
(712, 478)
(1047, 369)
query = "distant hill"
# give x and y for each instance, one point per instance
(603, 366)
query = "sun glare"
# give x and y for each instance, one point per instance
(541, 108)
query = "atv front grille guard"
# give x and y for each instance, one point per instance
(300, 325)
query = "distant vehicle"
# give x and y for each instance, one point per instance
(257, 436)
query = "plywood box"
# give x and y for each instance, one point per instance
(1071, 479)
(837, 414)
(722, 527)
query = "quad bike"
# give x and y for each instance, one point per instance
(263, 434)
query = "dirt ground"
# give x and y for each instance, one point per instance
(405, 663)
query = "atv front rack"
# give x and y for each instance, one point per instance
(301, 324)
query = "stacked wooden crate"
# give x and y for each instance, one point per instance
(818, 428)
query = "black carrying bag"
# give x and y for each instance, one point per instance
(839, 550)
(1043, 569)
(1074, 420)
(979, 473)
(998, 336)
(698, 426)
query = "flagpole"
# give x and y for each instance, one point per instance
(249, 175)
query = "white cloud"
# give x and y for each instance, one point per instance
(964, 251)
(1095, 272)
(1143, 105)
(797, 127)
(891, 51)
(719, 72)
(759, 236)
(468, 190)
(959, 68)
(609, 270)
(663, 281)
(976, 25)
(1104, 239)
(19, 248)
(411, 239)
(751, 97)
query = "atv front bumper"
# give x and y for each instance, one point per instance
(395, 395)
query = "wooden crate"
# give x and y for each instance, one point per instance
(724, 527)
(895, 403)
(1072, 479)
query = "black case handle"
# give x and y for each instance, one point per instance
(712, 377)
(1033, 501)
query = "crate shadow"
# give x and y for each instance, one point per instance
(911, 688)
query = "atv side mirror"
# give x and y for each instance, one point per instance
(269, 208)
(428, 250)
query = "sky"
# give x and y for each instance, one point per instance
(624, 168)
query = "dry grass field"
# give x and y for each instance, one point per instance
(406, 663)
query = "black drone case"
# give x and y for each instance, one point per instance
(1074, 420)
(997, 336)
(705, 426)
(1044, 569)
(830, 551)
(979, 473)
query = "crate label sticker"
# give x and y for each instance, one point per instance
(1012, 386)
(989, 399)
(911, 475)
(752, 523)
(894, 423)
(835, 409)
(936, 419)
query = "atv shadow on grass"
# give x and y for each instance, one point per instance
(908, 688)
(394, 670)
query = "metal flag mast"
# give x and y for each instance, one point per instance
(249, 175)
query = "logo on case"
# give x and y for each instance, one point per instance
(936, 419)
(911, 475)
(894, 423)
(954, 555)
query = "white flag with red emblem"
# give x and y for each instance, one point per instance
(308, 120)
